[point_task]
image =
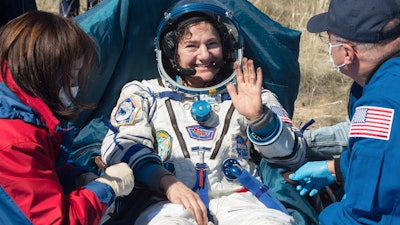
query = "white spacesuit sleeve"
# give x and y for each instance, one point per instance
(277, 139)
(131, 141)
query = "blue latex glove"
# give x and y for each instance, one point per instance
(312, 177)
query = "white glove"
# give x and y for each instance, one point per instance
(119, 177)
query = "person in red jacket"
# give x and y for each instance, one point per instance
(44, 59)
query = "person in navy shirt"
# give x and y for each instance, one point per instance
(364, 44)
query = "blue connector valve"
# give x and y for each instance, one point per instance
(231, 168)
(201, 110)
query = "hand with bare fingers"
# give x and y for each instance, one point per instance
(179, 193)
(246, 97)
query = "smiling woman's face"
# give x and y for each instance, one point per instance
(200, 49)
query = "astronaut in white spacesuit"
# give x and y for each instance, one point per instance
(208, 113)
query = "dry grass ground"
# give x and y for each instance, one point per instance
(323, 92)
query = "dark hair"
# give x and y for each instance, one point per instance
(41, 48)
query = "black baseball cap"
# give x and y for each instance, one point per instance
(358, 20)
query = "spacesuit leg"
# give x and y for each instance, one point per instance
(166, 213)
(245, 209)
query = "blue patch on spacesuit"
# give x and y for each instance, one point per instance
(201, 133)
(241, 147)
(126, 111)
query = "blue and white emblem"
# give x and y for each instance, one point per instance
(126, 111)
(241, 147)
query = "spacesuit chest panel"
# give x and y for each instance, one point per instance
(204, 136)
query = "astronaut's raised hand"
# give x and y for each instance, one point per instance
(119, 177)
(246, 97)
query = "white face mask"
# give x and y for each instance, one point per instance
(335, 67)
(64, 98)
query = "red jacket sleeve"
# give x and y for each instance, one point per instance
(29, 177)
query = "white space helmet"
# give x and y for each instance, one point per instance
(187, 12)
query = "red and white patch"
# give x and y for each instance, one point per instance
(372, 122)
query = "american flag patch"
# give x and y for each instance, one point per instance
(282, 114)
(372, 122)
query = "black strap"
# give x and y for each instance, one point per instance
(176, 128)
(175, 124)
(254, 154)
(224, 131)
